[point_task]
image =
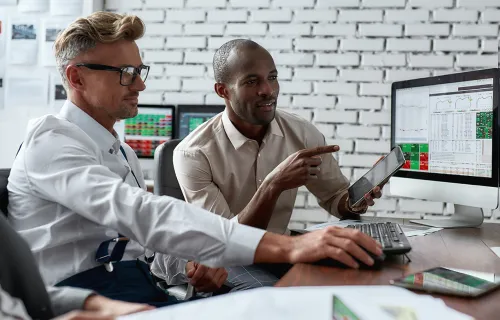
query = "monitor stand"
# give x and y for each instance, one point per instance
(464, 217)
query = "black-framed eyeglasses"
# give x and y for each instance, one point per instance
(127, 74)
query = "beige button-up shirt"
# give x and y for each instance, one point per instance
(220, 170)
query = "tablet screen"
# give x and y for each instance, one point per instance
(451, 281)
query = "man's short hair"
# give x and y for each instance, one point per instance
(84, 33)
(222, 70)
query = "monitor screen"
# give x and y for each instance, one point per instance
(152, 126)
(446, 128)
(190, 117)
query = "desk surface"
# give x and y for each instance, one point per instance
(466, 248)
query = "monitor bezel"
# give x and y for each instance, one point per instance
(443, 79)
(186, 108)
(155, 106)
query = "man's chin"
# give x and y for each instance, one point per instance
(266, 117)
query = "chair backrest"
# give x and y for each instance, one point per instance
(166, 183)
(4, 194)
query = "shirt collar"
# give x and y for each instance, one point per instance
(238, 139)
(102, 137)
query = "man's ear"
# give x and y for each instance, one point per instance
(74, 78)
(221, 90)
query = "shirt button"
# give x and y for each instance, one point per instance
(258, 155)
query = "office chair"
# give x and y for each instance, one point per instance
(166, 184)
(4, 194)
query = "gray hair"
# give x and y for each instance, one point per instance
(99, 27)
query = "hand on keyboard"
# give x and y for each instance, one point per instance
(341, 244)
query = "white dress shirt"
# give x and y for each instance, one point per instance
(220, 170)
(70, 189)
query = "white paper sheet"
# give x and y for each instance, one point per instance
(24, 89)
(305, 303)
(496, 250)
(409, 230)
(66, 7)
(22, 45)
(50, 31)
(3, 38)
(8, 2)
(57, 92)
(33, 5)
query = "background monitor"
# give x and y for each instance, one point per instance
(447, 127)
(189, 117)
(153, 125)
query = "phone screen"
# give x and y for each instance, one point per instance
(451, 281)
(378, 174)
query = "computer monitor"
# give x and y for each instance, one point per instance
(448, 129)
(189, 117)
(152, 126)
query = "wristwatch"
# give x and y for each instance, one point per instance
(357, 210)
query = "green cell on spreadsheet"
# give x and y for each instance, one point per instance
(406, 147)
(415, 156)
(424, 147)
(415, 165)
(415, 148)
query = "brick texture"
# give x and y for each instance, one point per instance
(336, 60)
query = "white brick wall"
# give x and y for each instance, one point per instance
(336, 61)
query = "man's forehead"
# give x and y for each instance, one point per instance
(119, 53)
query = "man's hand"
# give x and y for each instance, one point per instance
(299, 168)
(205, 279)
(114, 308)
(341, 244)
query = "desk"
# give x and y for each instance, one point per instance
(466, 248)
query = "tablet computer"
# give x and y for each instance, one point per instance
(465, 283)
(378, 175)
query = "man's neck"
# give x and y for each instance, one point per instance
(98, 114)
(251, 131)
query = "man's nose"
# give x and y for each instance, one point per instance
(138, 84)
(265, 89)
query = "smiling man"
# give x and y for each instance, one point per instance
(246, 163)
(75, 189)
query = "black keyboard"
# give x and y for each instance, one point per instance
(389, 234)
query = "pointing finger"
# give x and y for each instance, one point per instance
(311, 152)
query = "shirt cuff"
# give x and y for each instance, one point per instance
(335, 205)
(66, 299)
(241, 246)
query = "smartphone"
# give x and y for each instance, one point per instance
(378, 175)
(457, 282)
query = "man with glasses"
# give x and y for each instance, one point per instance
(77, 194)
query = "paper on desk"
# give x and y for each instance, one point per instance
(409, 230)
(369, 302)
(496, 250)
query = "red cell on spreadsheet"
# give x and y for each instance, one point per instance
(407, 164)
(424, 156)
(424, 165)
